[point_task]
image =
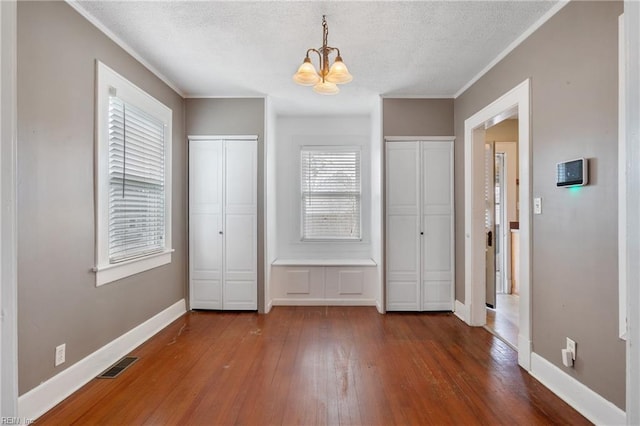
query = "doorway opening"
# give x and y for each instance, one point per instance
(515, 102)
(501, 222)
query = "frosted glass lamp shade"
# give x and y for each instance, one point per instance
(307, 74)
(338, 73)
(326, 88)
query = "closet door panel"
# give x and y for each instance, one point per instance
(436, 246)
(240, 291)
(436, 296)
(437, 163)
(240, 177)
(240, 254)
(437, 225)
(206, 255)
(403, 226)
(403, 247)
(437, 279)
(205, 224)
(240, 266)
(403, 174)
(206, 294)
(403, 260)
(240, 295)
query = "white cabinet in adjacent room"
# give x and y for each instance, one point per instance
(223, 223)
(419, 225)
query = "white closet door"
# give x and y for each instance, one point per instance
(240, 237)
(403, 226)
(437, 226)
(205, 224)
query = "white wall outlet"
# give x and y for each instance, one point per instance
(571, 347)
(61, 353)
(537, 205)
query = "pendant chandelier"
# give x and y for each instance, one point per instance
(324, 82)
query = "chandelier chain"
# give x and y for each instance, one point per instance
(325, 32)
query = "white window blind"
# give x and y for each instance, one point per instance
(330, 184)
(136, 182)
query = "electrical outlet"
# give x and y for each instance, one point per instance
(537, 206)
(571, 347)
(60, 354)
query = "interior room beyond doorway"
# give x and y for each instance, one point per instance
(502, 220)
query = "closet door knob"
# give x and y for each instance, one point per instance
(220, 232)
(421, 233)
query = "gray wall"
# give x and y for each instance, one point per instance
(244, 116)
(572, 62)
(58, 301)
(417, 117)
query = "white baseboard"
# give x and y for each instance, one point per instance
(48, 394)
(461, 311)
(269, 307)
(587, 402)
(380, 307)
(324, 302)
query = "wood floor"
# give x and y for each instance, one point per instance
(504, 320)
(318, 366)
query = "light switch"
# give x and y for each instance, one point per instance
(537, 206)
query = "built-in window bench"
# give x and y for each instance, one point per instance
(309, 282)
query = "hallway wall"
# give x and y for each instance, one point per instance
(572, 62)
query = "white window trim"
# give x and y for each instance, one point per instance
(106, 81)
(328, 148)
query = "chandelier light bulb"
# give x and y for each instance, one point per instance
(326, 88)
(338, 73)
(307, 74)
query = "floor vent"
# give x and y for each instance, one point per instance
(117, 368)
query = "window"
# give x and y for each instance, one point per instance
(136, 182)
(330, 186)
(133, 178)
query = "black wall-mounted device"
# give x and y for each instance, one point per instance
(573, 172)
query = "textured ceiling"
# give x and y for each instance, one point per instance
(392, 48)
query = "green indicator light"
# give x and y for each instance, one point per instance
(574, 189)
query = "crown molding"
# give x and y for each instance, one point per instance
(555, 9)
(75, 4)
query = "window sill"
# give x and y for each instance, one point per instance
(324, 262)
(112, 272)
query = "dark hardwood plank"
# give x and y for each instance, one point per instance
(318, 366)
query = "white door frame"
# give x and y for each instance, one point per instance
(632, 135)
(475, 264)
(8, 226)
